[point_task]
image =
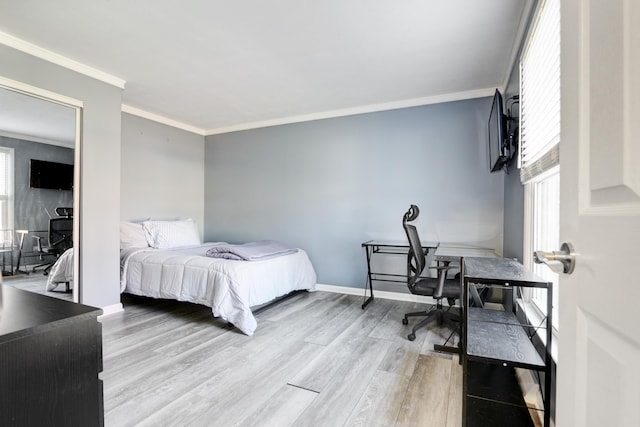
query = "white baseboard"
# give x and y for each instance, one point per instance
(111, 309)
(397, 296)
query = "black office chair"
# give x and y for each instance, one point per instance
(60, 237)
(439, 287)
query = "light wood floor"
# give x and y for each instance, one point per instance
(317, 359)
(37, 282)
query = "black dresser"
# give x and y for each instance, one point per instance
(50, 358)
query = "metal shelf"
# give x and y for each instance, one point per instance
(497, 336)
(497, 342)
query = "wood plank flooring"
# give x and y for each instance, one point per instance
(316, 359)
(37, 282)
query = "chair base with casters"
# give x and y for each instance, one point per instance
(60, 238)
(440, 288)
(435, 313)
(438, 313)
(44, 252)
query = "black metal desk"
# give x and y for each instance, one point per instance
(445, 252)
(373, 247)
(28, 254)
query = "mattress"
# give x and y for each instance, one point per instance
(229, 287)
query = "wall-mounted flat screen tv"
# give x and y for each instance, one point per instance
(499, 147)
(50, 175)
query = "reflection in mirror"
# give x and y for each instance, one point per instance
(37, 156)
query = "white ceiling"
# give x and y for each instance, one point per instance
(34, 119)
(220, 65)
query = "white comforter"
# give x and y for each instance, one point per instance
(62, 270)
(229, 287)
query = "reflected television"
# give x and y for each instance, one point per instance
(498, 142)
(50, 175)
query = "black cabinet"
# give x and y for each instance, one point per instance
(496, 343)
(50, 358)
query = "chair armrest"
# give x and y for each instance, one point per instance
(441, 277)
(442, 274)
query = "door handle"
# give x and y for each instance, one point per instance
(562, 261)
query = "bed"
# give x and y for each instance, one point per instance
(181, 270)
(61, 272)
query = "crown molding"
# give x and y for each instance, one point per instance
(161, 119)
(37, 92)
(415, 102)
(373, 108)
(63, 61)
(26, 137)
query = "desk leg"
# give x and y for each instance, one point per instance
(448, 349)
(457, 349)
(475, 296)
(20, 248)
(368, 300)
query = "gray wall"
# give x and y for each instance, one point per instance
(513, 215)
(100, 168)
(31, 204)
(162, 172)
(329, 185)
(513, 189)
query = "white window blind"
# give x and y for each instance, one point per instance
(539, 144)
(6, 196)
(5, 171)
(540, 94)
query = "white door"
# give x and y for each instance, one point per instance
(599, 336)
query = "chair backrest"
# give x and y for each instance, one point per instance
(61, 233)
(416, 259)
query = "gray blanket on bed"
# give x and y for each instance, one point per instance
(253, 251)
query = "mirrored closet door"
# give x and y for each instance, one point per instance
(39, 179)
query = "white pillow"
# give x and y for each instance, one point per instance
(171, 234)
(132, 235)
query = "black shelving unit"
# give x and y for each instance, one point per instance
(495, 343)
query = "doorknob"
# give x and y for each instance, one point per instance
(562, 261)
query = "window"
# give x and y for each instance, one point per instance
(539, 142)
(542, 219)
(6, 195)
